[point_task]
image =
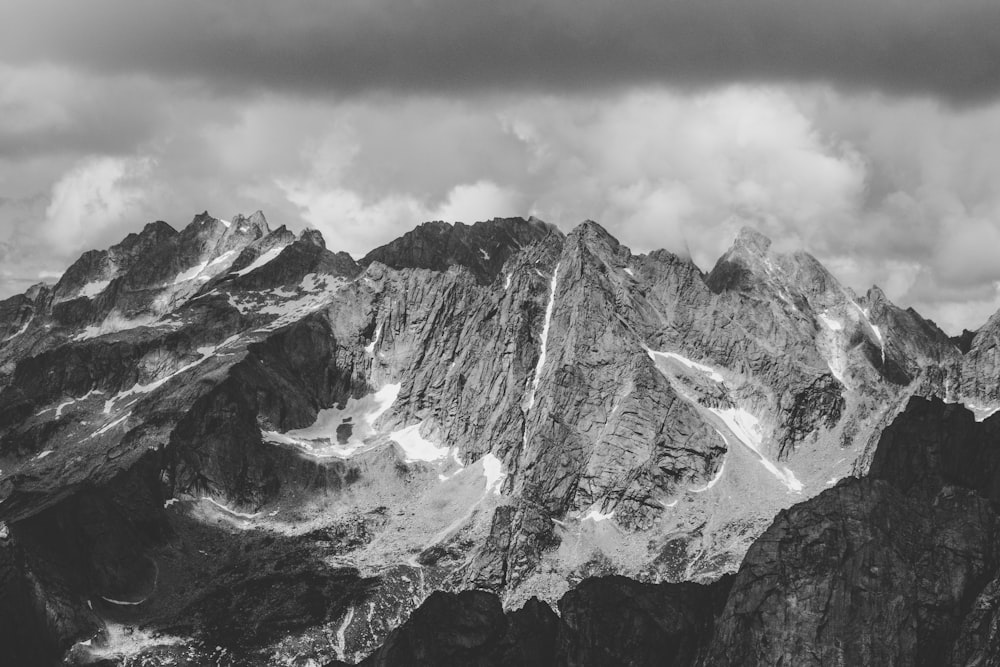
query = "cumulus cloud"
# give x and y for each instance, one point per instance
(662, 168)
(352, 222)
(948, 49)
(97, 193)
(895, 191)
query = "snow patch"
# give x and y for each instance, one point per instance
(92, 289)
(712, 374)
(229, 510)
(630, 272)
(65, 404)
(110, 425)
(320, 439)
(370, 347)
(191, 273)
(312, 282)
(712, 482)
(114, 323)
(42, 455)
(747, 430)
(223, 258)
(260, 261)
(830, 323)
(485, 254)
(415, 446)
(506, 284)
(545, 338)
(340, 646)
(875, 330)
(981, 412)
(137, 388)
(493, 471)
(19, 331)
(597, 516)
(123, 603)
(123, 641)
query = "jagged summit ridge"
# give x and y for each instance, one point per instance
(496, 405)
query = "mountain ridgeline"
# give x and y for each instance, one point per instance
(234, 445)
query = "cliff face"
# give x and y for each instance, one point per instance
(897, 568)
(495, 406)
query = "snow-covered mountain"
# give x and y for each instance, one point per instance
(233, 445)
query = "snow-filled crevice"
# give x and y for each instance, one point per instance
(321, 438)
(260, 261)
(874, 329)
(708, 371)
(712, 482)
(745, 427)
(597, 516)
(370, 347)
(530, 402)
(19, 331)
(205, 352)
(415, 447)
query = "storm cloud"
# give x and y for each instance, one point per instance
(945, 48)
(864, 131)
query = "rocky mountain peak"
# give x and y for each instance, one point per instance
(313, 237)
(747, 263)
(483, 247)
(875, 296)
(264, 408)
(749, 239)
(257, 219)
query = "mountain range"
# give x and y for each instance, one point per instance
(233, 445)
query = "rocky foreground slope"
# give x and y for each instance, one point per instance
(897, 568)
(232, 445)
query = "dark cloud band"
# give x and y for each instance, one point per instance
(950, 49)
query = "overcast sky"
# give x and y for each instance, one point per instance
(864, 131)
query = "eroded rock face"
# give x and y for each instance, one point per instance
(898, 568)
(604, 621)
(859, 575)
(522, 410)
(891, 569)
(483, 248)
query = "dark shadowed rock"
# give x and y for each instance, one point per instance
(483, 247)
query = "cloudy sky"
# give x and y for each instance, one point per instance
(865, 131)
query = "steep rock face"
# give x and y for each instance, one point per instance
(604, 621)
(981, 365)
(934, 445)
(483, 248)
(470, 628)
(883, 570)
(618, 621)
(859, 575)
(978, 642)
(518, 422)
(898, 568)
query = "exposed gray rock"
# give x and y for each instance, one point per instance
(555, 405)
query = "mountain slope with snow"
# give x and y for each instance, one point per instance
(497, 406)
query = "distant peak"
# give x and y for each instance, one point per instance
(157, 226)
(589, 229)
(482, 247)
(312, 237)
(752, 240)
(258, 219)
(876, 295)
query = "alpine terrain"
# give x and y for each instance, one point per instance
(494, 444)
